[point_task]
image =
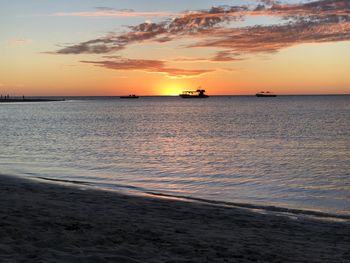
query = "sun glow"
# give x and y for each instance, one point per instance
(171, 89)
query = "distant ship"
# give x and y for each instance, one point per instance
(193, 94)
(265, 94)
(131, 96)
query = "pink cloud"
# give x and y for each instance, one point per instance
(313, 22)
(310, 22)
(151, 66)
(275, 37)
(110, 12)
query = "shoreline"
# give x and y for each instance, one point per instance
(280, 210)
(48, 222)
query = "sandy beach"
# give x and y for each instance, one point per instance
(45, 222)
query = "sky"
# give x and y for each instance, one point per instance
(159, 47)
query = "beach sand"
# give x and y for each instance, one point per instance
(45, 222)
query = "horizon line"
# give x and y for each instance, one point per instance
(216, 95)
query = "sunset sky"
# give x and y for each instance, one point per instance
(158, 47)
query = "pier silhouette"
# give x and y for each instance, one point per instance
(7, 98)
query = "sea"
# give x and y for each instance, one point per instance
(287, 152)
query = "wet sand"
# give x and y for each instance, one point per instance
(45, 222)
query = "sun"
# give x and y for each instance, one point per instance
(171, 89)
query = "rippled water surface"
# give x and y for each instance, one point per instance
(289, 151)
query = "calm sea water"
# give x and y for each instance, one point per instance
(288, 151)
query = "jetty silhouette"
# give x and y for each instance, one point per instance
(7, 98)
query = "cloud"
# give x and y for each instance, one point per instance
(20, 42)
(220, 56)
(151, 66)
(106, 8)
(113, 42)
(275, 37)
(190, 59)
(317, 8)
(226, 56)
(112, 12)
(269, 2)
(96, 46)
(313, 22)
(188, 23)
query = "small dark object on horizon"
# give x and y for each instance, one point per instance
(189, 94)
(131, 96)
(265, 94)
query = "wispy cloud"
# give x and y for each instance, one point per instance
(189, 59)
(220, 56)
(319, 8)
(20, 42)
(226, 56)
(101, 45)
(150, 66)
(111, 12)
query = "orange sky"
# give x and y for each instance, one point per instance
(225, 57)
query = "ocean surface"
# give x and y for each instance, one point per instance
(288, 151)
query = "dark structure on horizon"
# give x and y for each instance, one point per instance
(265, 94)
(131, 96)
(23, 99)
(194, 94)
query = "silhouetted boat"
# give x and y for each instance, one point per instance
(193, 94)
(265, 94)
(131, 96)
